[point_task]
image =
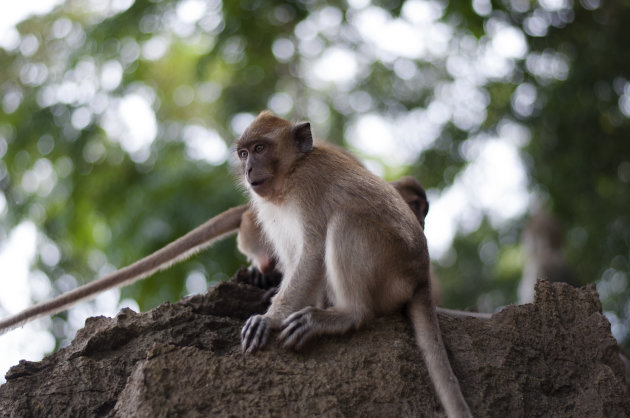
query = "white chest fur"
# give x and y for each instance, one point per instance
(283, 228)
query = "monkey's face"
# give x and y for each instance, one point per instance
(419, 206)
(267, 150)
(413, 193)
(259, 165)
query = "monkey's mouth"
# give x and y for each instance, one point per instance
(258, 185)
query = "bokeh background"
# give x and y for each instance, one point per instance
(117, 117)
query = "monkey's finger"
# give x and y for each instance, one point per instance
(248, 332)
(300, 315)
(263, 282)
(250, 343)
(289, 330)
(246, 328)
(297, 329)
(260, 338)
(297, 336)
(254, 334)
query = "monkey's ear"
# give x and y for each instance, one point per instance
(303, 137)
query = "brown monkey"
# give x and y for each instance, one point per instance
(340, 234)
(543, 239)
(412, 191)
(196, 240)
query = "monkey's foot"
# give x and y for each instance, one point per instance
(264, 281)
(298, 328)
(255, 333)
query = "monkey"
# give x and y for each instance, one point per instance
(414, 195)
(184, 247)
(341, 232)
(543, 239)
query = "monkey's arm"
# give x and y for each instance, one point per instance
(196, 240)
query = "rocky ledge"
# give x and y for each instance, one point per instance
(554, 357)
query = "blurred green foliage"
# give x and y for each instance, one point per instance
(66, 164)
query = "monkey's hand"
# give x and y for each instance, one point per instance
(255, 333)
(298, 328)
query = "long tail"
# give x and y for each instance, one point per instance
(196, 240)
(429, 338)
(463, 314)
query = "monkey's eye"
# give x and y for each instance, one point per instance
(242, 154)
(259, 148)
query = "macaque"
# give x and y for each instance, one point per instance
(348, 245)
(542, 243)
(412, 191)
(414, 195)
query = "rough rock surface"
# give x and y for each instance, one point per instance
(555, 357)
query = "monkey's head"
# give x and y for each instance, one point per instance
(268, 149)
(412, 191)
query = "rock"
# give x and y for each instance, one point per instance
(554, 357)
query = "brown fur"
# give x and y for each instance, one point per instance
(412, 191)
(337, 229)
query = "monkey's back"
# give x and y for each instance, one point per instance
(376, 232)
(329, 180)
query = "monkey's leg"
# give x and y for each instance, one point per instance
(309, 322)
